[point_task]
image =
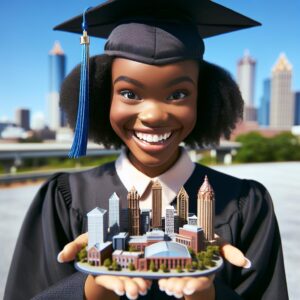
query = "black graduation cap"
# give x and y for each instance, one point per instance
(150, 31)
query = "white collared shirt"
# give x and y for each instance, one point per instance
(171, 181)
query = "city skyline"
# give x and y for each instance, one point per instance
(24, 59)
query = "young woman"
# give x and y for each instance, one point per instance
(150, 108)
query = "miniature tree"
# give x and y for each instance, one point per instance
(107, 262)
(188, 267)
(201, 265)
(201, 255)
(195, 265)
(152, 266)
(164, 268)
(191, 251)
(131, 266)
(82, 254)
(179, 269)
(115, 266)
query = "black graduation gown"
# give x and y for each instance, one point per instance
(244, 217)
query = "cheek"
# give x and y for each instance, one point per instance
(119, 116)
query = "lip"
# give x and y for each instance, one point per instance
(153, 147)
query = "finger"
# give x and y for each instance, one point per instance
(162, 283)
(142, 285)
(174, 287)
(71, 249)
(197, 284)
(233, 254)
(112, 283)
(131, 288)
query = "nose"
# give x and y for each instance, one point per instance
(153, 116)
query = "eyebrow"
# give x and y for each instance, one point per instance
(169, 84)
(130, 80)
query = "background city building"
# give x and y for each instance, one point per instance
(246, 81)
(22, 118)
(57, 71)
(297, 108)
(264, 108)
(282, 100)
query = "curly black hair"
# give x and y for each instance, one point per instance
(219, 107)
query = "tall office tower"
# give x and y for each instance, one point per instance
(114, 214)
(156, 205)
(246, 81)
(282, 100)
(182, 206)
(22, 117)
(57, 65)
(97, 226)
(264, 108)
(206, 209)
(169, 220)
(145, 220)
(297, 108)
(134, 223)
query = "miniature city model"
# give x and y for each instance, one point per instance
(186, 246)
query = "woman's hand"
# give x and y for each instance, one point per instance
(188, 287)
(104, 286)
(192, 288)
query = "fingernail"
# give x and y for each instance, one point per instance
(143, 293)
(119, 293)
(161, 288)
(247, 264)
(169, 293)
(188, 291)
(178, 296)
(131, 297)
(59, 257)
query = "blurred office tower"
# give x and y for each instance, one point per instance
(297, 108)
(246, 81)
(264, 108)
(22, 118)
(282, 98)
(57, 66)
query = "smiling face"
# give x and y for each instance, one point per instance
(153, 109)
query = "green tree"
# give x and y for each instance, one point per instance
(115, 266)
(131, 266)
(152, 266)
(195, 265)
(188, 267)
(107, 262)
(179, 269)
(82, 254)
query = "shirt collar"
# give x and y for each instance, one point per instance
(172, 180)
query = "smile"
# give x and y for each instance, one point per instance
(152, 138)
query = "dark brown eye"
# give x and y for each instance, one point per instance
(178, 95)
(129, 95)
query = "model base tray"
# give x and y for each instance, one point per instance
(101, 270)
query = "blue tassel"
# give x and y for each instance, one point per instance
(82, 123)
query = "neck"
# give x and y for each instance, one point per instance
(154, 170)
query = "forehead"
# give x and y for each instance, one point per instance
(141, 71)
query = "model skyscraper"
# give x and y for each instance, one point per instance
(156, 205)
(182, 206)
(97, 225)
(206, 209)
(134, 223)
(114, 213)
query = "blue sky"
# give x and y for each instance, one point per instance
(27, 37)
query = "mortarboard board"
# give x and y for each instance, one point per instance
(149, 31)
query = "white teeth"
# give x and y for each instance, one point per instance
(152, 137)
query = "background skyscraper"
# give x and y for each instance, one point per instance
(282, 100)
(246, 81)
(57, 70)
(264, 108)
(22, 117)
(297, 108)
